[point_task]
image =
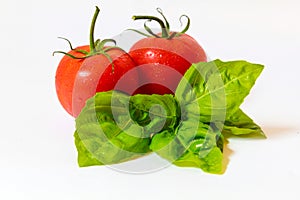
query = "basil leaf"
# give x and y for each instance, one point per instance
(105, 132)
(212, 93)
(191, 145)
(85, 157)
(114, 127)
(154, 112)
(211, 163)
(219, 88)
(241, 124)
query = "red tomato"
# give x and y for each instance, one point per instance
(165, 57)
(95, 68)
(65, 77)
(98, 74)
(79, 79)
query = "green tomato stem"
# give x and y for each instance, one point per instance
(166, 21)
(187, 25)
(164, 30)
(92, 43)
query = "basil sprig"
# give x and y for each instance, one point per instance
(187, 129)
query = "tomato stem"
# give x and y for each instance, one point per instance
(96, 47)
(150, 18)
(187, 25)
(165, 26)
(159, 10)
(92, 28)
(69, 42)
(67, 54)
(150, 31)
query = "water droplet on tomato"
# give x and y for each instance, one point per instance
(150, 54)
(84, 73)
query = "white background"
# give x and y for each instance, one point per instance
(37, 151)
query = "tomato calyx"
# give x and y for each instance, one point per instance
(164, 24)
(96, 47)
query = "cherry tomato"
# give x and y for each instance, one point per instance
(86, 70)
(164, 58)
(65, 77)
(97, 74)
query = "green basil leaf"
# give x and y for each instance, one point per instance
(85, 157)
(211, 163)
(219, 88)
(154, 112)
(191, 145)
(241, 124)
(105, 132)
(114, 127)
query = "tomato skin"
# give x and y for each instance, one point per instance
(98, 74)
(95, 74)
(65, 77)
(158, 54)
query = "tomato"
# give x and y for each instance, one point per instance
(164, 58)
(65, 77)
(98, 74)
(86, 70)
(79, 79)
